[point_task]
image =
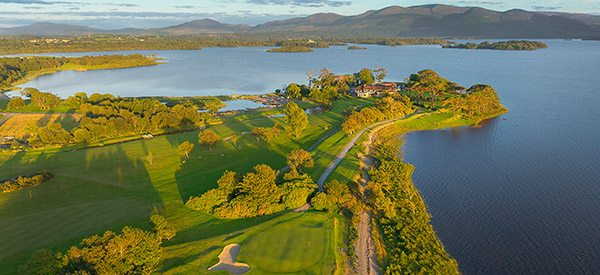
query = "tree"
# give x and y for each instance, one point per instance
(296, 119)
(162, 227)
(259, 184)
(294, 91)
(42, 262)
(234, 140)
(208, 138)
(15, 104)
(134, 251)
(321, 202)
(298, 159)
(380, 74)
(267, 134)
(185, 149)
(365, 76)
(44, 101)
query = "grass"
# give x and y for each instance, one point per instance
(348, 170)
(107, 188)
(3, 102)
(23, 124)
(275, 249)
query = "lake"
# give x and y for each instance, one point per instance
(519, 195)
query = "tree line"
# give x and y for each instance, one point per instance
(14, 69)
(411, 245)
(258, 192)
(512, 45)
(22, 182)
(428, 89)
(133, 251)
(389, 107)
(107, 116)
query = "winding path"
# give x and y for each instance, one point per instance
(338, 159)
(5, 117)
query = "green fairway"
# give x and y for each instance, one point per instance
(299, 245)
(106, 188)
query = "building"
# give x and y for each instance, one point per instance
(376, 89)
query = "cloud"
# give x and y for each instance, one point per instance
(546, 8)
(302, 3)
(127, 5)
(185, 7)
(38, 2)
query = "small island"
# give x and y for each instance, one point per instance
(513, 45)
(291, 49)
(357, 48)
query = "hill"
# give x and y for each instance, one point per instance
(441, 21)
(417, 21)
(49, 29)
(204, 26)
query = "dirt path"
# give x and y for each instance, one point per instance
(5, 116)
(334, 164)
(315, 145)
(365, 246)
(227, 261)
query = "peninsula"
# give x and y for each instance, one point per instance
(18, 70)
(513, 45)
(205, 171)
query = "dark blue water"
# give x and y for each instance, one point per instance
(520, 195)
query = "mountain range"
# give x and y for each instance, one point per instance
(394, 21)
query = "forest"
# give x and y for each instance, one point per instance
(106, 116)
(17, 69)
(512, 45)
(107, 42)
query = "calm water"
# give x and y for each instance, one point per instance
(520, 195)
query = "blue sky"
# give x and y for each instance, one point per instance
(155, 13)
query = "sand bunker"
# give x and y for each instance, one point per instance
(227, 261)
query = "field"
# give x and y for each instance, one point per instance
(20, 125)
(106, 188)
(109, 187)
(293, 243)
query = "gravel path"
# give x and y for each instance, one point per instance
(365, 247)
(334, 164)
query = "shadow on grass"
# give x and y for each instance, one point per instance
(93, 190)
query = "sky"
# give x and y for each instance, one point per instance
(113, 14)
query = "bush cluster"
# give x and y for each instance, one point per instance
(253, 194)
(24, 182)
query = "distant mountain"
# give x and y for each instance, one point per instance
(204, 26)
(417, 21)
(438, 20)
(49, 29)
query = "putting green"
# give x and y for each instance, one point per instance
(295, 246)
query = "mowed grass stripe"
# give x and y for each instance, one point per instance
(113, 186)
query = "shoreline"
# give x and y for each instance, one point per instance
(36, 74)
(371, 227)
